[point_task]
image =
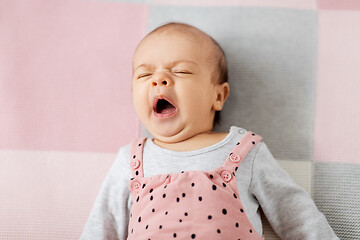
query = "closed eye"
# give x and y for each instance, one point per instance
(182, 72)
(144, 75)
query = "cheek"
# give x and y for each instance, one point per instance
(138, 88)
(139, 98)
(197, 99)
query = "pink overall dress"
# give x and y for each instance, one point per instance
(190, 204)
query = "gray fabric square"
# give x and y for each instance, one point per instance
(337, 195)
(271, 55)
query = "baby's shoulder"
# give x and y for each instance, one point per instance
(121, 164)
(124, 150)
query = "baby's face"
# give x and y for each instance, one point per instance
(172, 89)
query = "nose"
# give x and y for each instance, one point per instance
(164, 82)
(161, 80)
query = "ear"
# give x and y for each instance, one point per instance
(222, 92)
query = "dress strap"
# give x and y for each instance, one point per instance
(136, 157)
(246, 143)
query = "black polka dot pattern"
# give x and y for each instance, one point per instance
(175, 200)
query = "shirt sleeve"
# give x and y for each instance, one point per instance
(110, 213)
(289, 209)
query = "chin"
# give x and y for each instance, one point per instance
(168, 134)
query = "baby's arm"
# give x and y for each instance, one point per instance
(289, 208)
(109, 216)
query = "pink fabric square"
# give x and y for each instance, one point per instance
(339, 4)
(337, 116)
(299, 4)
(65, 74)
(49, 194)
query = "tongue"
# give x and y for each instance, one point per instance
(168, 108)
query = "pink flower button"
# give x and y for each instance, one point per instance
(135, 164)
(226, 175)
(234, 158)
(136, 185)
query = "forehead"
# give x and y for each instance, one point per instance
(172, 44)
(180, 32)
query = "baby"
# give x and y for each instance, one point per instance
(189, 182)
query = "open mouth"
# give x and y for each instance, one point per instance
(163, 108)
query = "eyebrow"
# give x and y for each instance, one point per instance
(171, 63)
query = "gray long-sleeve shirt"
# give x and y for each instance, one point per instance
(260, 180)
